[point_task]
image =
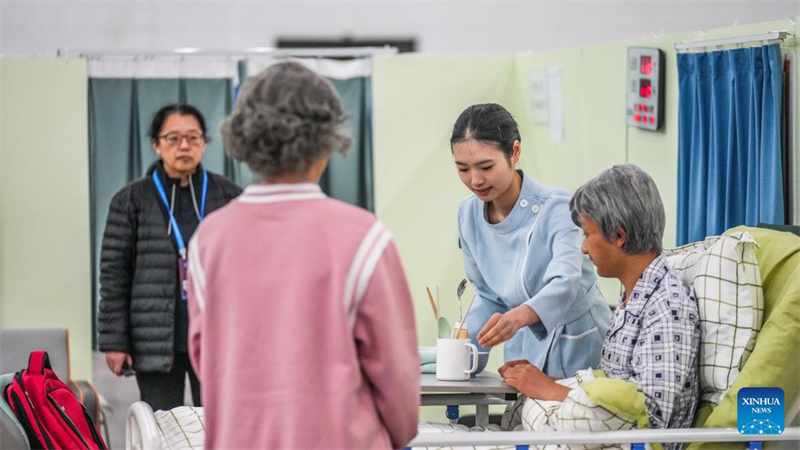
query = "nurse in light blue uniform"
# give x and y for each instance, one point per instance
(536, 291)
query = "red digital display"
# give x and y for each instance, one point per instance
(646, 65)
(645, 88)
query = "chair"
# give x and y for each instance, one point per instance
(12, 435)
(17, 345)
(15, 348)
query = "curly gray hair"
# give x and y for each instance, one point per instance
(626, 197)
(285, 119)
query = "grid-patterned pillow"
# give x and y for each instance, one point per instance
(181, 428)
(724, 274)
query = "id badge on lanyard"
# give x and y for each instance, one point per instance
(183, 263)
(183, 270)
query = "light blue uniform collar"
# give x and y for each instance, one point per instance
(529, 202)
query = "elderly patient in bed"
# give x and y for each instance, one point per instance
(653, 342)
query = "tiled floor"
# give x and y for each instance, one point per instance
(120, 393)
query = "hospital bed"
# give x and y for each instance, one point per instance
(780, 268)
(181, 428)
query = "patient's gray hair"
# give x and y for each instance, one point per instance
(286, 118)
(626, 197)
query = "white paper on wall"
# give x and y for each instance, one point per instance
(556, 105)
(538, 102)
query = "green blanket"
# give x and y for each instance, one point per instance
(775, 361)
(618, 396)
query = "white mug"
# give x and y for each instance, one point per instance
(453, 359)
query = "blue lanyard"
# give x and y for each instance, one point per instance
(175, 228)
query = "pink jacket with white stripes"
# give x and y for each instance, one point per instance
(301, 325)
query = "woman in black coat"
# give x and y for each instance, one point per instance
(143, 322)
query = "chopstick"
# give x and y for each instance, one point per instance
(464, 320)
(433, 304)
(437, 297)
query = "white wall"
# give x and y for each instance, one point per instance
(55, 93)
(37, 28)
(45, 279)
(417, 98)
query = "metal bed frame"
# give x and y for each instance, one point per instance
(142, 433)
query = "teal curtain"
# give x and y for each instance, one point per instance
(349, 178)
(120, 111)
(239, 172)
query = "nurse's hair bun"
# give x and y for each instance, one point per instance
(487, 122)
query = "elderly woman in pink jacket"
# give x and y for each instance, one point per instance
(302, 327)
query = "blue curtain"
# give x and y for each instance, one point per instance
(729, 141)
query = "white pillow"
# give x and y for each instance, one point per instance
(181, 428)
(724, 274)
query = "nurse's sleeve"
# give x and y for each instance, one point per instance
(386, 342)
(562, 278)
(486, 301)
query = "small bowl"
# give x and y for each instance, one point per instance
(483, 359)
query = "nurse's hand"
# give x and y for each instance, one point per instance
(531, 381)
(502, 327)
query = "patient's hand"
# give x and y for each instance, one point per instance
(510, 364)
(532, 382)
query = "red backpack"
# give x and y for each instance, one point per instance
(51, 415)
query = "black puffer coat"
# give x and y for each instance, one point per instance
(139, 271)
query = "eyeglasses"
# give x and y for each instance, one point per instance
(175, 139)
